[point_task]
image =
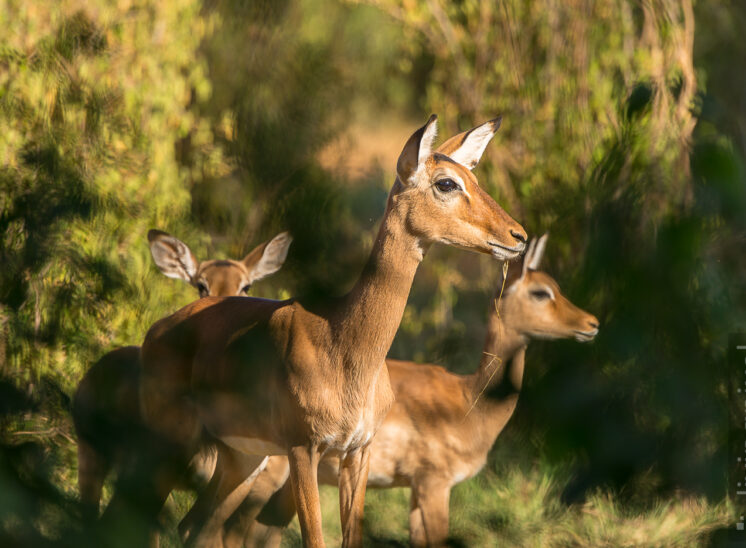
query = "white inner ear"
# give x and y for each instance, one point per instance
(273, 257)
(538, 253)
(471, 150)
(528, 257)
(173, 258)
(426, 143)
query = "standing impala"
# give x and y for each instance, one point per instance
(277, 378)
(106, 410)
(442, 426)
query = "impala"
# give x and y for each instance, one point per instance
(277, 378)
(441, 427)
(106, 410)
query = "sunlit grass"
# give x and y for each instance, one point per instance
(523, 509)
(511, 503)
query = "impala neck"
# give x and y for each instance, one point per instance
(366, 320)
(498, 380)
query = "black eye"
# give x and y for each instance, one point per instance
(202, 288)
(246, 288)
(446, 185)
(540, 294)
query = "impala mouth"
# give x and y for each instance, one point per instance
(504, 252)
(585, 336)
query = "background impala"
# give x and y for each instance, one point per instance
(106, 405)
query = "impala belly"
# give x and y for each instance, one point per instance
(377, 478)
(389, 454)
(253, 446)
(465, 469)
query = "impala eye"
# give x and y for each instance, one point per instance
(202, 288)
(540, 294)
(246, 288)
(446, 185)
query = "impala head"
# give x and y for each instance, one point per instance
(442, 199)
(533, 305)
(222, 278)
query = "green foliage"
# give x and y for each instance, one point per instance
(93, 110)
(215, 120)
(559, 73)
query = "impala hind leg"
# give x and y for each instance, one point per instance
(432, 499)
(242, 529)
(141, 491)
(266, 530)
(200, 510)
(353, 478)
(234, 477)
(262, 536)
(92, 470)
(157, 465)
(417, 535)
(304, 463)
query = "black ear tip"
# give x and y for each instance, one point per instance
(432, 118)
(154, 233)
(496, 122)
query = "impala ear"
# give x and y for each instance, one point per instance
(268, 258)
(172, 256)
(528, 257)
(538, 253)
(467, 148)
(418, 148)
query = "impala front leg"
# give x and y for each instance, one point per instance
(353, 477)
(304, 462)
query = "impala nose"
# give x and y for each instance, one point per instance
(519, 235)
(590, 332)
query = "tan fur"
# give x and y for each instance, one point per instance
(106, 406)
(442, 425)
(312, 381)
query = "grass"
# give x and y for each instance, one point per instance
(522, 508)
(514, 502)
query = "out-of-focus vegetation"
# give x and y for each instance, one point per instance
(224, 122)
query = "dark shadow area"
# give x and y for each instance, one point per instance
(643, 409)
